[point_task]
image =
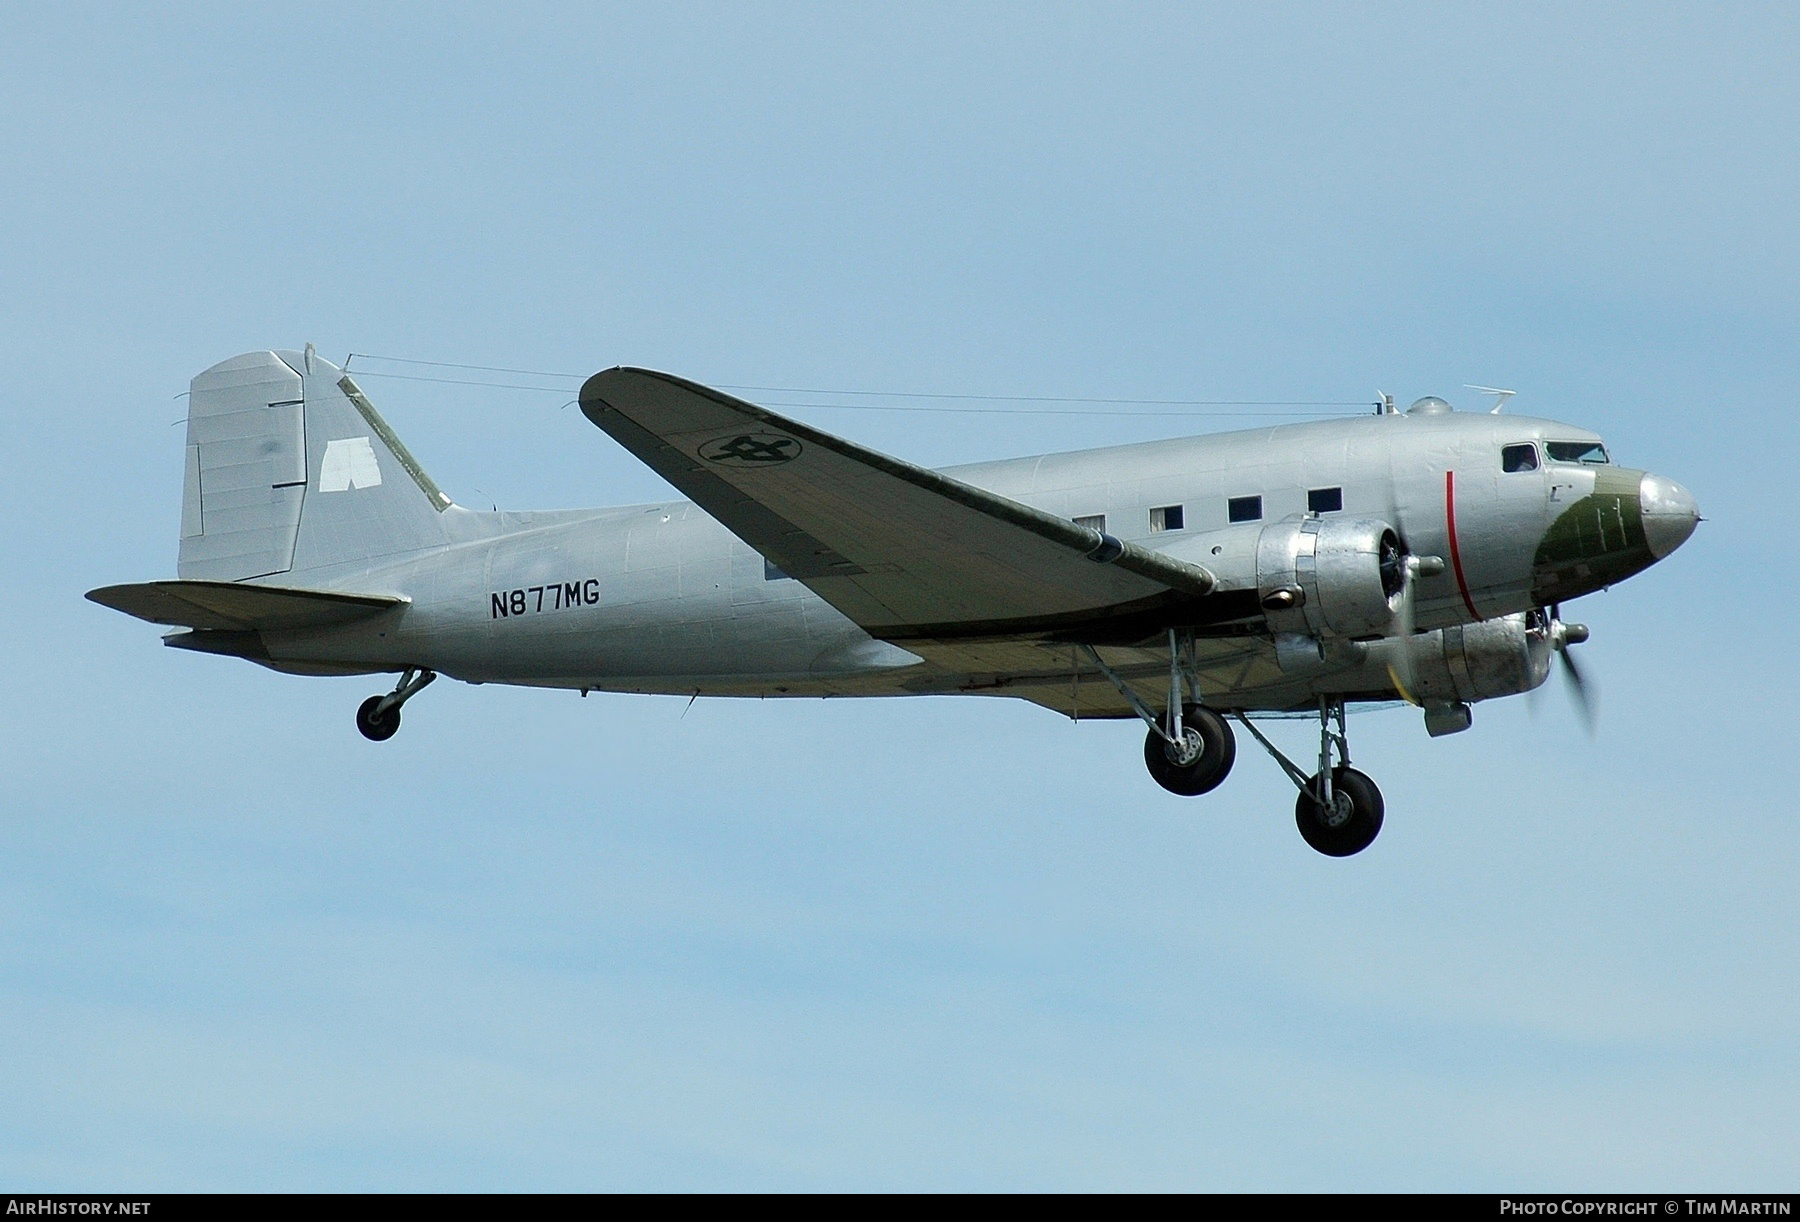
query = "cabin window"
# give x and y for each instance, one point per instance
(1244, 509)
(1519, 458)
(1093, 521)
(1324, 500)
(1591, 452)
(1165, 517)
(771, 573)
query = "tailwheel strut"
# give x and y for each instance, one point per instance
(379, 716)
(1339, 810)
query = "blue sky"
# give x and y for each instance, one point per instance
(536, 941)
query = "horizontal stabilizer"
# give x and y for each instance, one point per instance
(233, 605)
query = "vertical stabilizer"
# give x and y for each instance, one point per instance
(291, 469)
(368, 497)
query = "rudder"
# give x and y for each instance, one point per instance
(245, 471)
(291, 468)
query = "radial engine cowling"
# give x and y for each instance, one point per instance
(1330, 577)
(1496, 657)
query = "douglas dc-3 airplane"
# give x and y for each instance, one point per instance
(1420, 556)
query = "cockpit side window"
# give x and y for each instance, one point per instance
(1522, 457)
(1590, 452)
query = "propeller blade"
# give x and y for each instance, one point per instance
(1404, 675)
(1534, 699)
(1582, 691)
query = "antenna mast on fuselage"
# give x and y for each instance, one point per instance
(1500, 400)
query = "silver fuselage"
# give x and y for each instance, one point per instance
(662, 598)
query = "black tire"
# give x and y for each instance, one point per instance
(1360, 824)
(377, 727)
(1218, 751)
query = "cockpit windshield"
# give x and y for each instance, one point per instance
(1577, 451)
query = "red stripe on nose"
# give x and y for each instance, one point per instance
(1462, 583)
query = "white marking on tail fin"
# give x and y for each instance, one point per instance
(349, 463)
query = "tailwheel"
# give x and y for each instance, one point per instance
(1199, 760)
(1348, 821)
(377, 724)
(379, 716)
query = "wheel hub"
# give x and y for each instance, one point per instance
(1337, 812)
(1187, 752)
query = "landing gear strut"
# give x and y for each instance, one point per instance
(1349, 825)
(379, 716)
(1339, 809)
(1200, 760)
(1190, 749)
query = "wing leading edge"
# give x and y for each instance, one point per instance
(903, 551)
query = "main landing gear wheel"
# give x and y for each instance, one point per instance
(1339, 810)
(377, 725)
(379, 716)
(1346, 825)
(1200, 761)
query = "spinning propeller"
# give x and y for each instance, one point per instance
(1404, 570)
(1582, 691)
(1408, 569)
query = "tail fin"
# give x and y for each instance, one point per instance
(290, 468)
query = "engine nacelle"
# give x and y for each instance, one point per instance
(1496, 657)
(1330, 577)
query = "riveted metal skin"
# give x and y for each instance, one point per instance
(1468, 662)
(1324, 577)
(1596, 536)
(807, 566)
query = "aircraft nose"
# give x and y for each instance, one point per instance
(1669, 513)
